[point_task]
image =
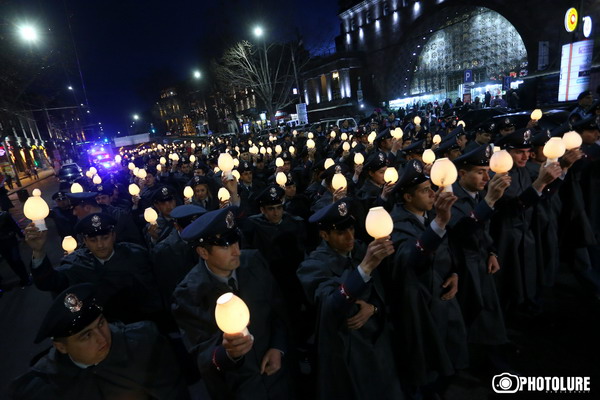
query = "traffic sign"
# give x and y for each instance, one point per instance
(468, 75)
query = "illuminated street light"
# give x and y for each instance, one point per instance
(258, 31)
(28, 33)
(197, 74)
(136, 117)
(70, 87)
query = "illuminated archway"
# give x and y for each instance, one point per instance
(481, 40)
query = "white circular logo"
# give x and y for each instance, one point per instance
(587, 26)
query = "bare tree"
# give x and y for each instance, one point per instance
(270, 70)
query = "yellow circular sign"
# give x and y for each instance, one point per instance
(571, 19)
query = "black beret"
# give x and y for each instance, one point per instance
(479, 156)
(335, 216)
(271, 195)
(412, 174)
(95, 224)
(376, 161)
(164, 193)
(70, 312)
(206, 227)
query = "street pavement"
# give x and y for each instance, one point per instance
(564, 340)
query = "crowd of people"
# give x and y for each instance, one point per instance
(335, 312)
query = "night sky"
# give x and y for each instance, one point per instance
(130, 49)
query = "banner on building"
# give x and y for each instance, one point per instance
(302, 114)
(575, 68)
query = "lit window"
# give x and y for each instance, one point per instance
(361, 34)
(395, 16)
(347, 38)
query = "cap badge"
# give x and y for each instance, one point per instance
(381, 157)
(548, 133)
(417, 167)
(343, 209)
(164, 191)
(100, 188)
(229, 220)
(492, 127)
(96, 223)
(527, 135)
(338, 169)
(273, 192)
(506, 121)
(488, 151)
(73, 303)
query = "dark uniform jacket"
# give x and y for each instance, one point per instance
(126, 228)
(431, 334)
(125, 282)
(172, 259)
(471, 247)
(194, 310)
(352, 364)
(64, 220)
(140, 365)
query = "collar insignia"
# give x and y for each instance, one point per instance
(73, 303)
(343, 209)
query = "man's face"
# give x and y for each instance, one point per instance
(537, 154)
(82, 210)
(341, 241)
(103, 199)
(453, 154)
(200, 192)
(586, 101)
(287, 166)
(90, 346)
(590, 136)
(483, 137)
(101, 246)
(475, 179)
(63, 204)
(246, 177)
(378, 176)
(273, 213)
(422, 199)
(221, 260)
(149, 180)
(290, 191)
(519, 156)
(386, 144)
(186, 168)
(462, 141)
(165, 207)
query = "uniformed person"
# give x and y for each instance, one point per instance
(474, 253)
(354, 342)
(432, 342)
(173, 257)
(122, 271)
(85, 204)
(164, 202)
(62, 214)
(232, 365)
(92, 359)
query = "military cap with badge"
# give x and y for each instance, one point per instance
(163, 194)
(271, 195)
(186, 214)
(71, 311)
(412, 175)
(95, 224)
(336, 216)
(215, 228)
(479, 156)
(376, 161)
